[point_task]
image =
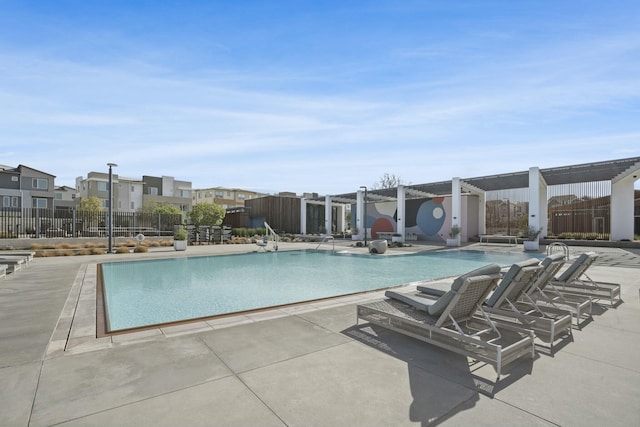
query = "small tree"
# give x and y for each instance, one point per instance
(206, 214)
(90, 208)
(388, 181)
(91, 204)
(160, 208)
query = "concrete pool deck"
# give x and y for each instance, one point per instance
(307, 364)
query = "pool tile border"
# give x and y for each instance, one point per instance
(75, 331)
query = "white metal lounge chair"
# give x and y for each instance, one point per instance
(14, 264)
(552, 300)
(451, 321)
(503, 305)
(3, 270)
(574, 280)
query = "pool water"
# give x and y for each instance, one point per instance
(144, 293)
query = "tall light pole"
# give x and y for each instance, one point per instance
(364, 221)
(111, 165)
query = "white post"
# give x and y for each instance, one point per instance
(360, 214)
(327, 215)
(456, 203)
(537, 201)
(401, 205)
(622, 195)
(303, 216)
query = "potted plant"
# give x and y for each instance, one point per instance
(453, 239)
(531, 242)
(396, 238)
(180, 239)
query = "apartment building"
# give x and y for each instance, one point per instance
(167, 189)
(222, 196)
(96, 184)
(130, 194)
(25, 187)
(65, 198)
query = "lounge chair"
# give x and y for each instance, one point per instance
(3, 270)
(14, 264)
(504, 305)
(551, 299)
(25, 258)
(451, 321)
(574, 280)
(27, 255)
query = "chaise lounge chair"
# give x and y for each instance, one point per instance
(503, 304)
(574, 280)
(550, 299)
(451, 321)
(3, 270)
(14, 264)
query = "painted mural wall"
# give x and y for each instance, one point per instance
(426, 219)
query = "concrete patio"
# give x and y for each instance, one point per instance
(301, 365)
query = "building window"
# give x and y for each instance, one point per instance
(185, 193)
(105, 203)
(220, 194)
(10, 201)
(133, 189)
(39, 203)
(119, 204)
(153, 191)
(241, 196)
(40, 183)
(58, 196)
(133, 205)
(102, 186)
(199, 194)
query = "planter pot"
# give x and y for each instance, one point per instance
(531, 245)
(378, 246)
(396, 239)
(453, 242)
(180, 245)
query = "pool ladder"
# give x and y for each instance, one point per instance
(558, 245)
(325, 239)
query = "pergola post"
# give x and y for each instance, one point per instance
(303, 216)
(327, 215)
(401, 207)
(456, 204)
(622, 195)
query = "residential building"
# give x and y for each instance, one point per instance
(97, 185)
(65, 198)
(25, 187)
(130, 194)
(222, 196)
(167, 189)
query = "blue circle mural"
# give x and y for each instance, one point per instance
(431, 216)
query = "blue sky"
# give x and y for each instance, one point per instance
(317, 96)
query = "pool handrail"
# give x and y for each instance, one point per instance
(325, 239)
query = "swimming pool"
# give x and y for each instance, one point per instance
(144, 293)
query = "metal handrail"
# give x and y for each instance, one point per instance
(325, 239)
(564, 247)
(275, 235)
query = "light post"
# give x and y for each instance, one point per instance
(111, 165)
(364, 221)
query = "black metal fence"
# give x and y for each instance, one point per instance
(39, 222)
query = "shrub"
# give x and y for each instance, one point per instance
(140, 249)
(97, 251)
(122, 250)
